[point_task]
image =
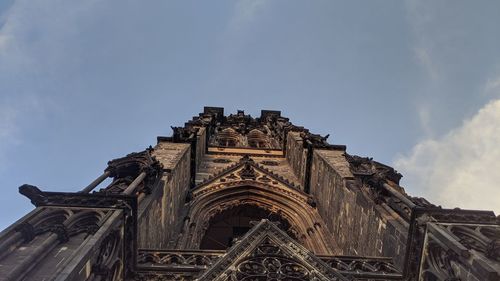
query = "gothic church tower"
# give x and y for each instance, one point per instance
(242, 198)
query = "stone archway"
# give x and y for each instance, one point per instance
(287, 204)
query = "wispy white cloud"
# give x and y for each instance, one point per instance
(9, 129)
(8, 126)
(245, 11)
(425, 119)
(425, 59)
(3, 41)
(15, 114)
(493, 85)
(420, 18)
(20, 68)
(39, 37)
(460, 168)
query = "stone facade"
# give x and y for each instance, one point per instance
(232, 197)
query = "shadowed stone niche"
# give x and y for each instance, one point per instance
(227, 227)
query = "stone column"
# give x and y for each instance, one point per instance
(130, 189)
(96, 182)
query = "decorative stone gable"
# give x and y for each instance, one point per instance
(248, 172)
(268, 253)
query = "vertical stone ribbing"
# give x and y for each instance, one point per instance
(359, 226)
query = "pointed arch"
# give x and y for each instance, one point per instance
(289, 204)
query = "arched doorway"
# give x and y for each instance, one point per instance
(235, 222)
(210, 204)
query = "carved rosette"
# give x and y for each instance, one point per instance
(271, 268)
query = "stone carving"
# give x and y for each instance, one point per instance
(493, 243)
(269, 163)
(371, 171)
(85, 221)
(380, 183)
(447, 241)
(132, 164)
(108, 264)
(196, 260)
(369, 268)
(242, 130)
(267, 253)
(438, 264)
(63, 223)
(268, 263)
(248, 172)
(33, 193)
(316, 141)
(247, 169)
(472, 237)
(27, 231)
(184, 134)
(157, 276)
(124, 171)
(222, 160)
(258, 139)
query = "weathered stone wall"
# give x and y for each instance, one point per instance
(296, 155)
(359, 226)
(161, 212)
(201, 146)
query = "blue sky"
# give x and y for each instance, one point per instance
(414, 84)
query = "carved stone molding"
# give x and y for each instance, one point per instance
(196, 260)
(376, 268)
(246, 169)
